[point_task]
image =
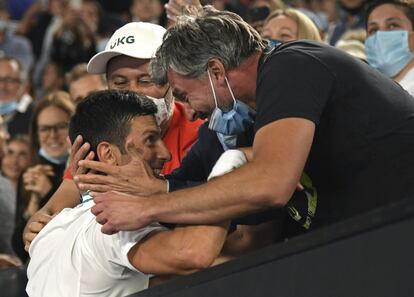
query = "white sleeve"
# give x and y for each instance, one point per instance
(125, 240)
(228, 161)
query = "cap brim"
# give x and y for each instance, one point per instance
(97, 64)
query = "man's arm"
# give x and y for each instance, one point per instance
(280, 151)
(180, 251)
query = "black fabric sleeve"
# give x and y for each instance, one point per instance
(292, 83)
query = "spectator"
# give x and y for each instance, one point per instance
(73, 42)
(15, 105)
(39, 22)
(288, 25)
(81, 83)
(117, 125)
(52, 80)
(7, 215)
(49, 151)
(13, 45)
(350, 17)
(259, 10)
(146, 11)
(16, 158)
(390, 46)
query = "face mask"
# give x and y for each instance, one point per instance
(228, 142)
(8, 107)
(163, 112)
(388, 51)
(231, 122)
(274, 42)
(55, 160)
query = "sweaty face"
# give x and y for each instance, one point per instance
(52, 130)
(10, 81)
(144, 139)
(280, 28)
(15, 160)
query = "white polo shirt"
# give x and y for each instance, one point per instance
(72, 257)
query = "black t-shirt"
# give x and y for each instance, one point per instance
(362, 154)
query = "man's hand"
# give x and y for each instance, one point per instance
(37, 223)
(135, 178)
(175, 8)
(36, 179)
(79, 151)
(117, 211)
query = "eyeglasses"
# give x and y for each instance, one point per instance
(10, 80)
(58, 128)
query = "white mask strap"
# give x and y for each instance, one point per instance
(212, 88)
(231, 92)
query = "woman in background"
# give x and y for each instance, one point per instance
(290, 24)
(49, 153)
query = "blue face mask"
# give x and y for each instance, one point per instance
(231, 122)
(55, 160)
(388, 51)
(9, 107)
(274, 42)
(228, 142)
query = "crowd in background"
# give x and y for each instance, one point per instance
(45, 45)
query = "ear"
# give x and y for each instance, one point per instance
(217, 70)
(133, 151)
(108, 153)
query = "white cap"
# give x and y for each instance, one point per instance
(137, 40)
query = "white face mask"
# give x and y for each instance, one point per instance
(163, 114)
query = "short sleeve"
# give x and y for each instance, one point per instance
(125, 240)
(292, 83)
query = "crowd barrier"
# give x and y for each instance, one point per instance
(368, 255)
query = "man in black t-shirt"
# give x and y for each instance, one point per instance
(318, 110)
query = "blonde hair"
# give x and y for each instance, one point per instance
(306, 28)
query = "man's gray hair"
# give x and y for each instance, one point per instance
(193, 41)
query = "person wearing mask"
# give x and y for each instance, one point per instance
(49, 154)
(390, 44)
(301, 125)
(15, 105)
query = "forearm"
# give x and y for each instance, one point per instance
(220, 199)
(66, 196)
(269, 180)
(180, 251)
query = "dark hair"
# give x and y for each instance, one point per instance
(59, 99)
(407, 6)
(106, 116)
